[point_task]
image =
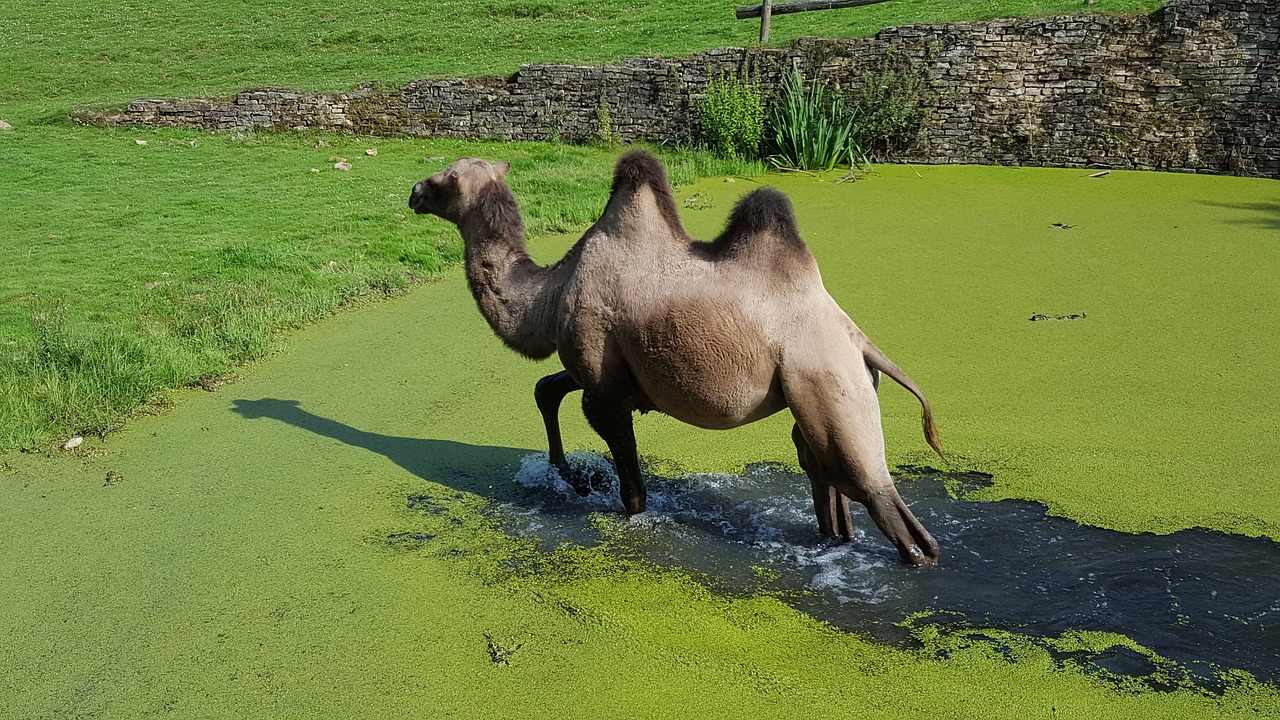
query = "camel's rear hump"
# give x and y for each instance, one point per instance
(762, 221)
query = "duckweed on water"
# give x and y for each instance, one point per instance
(262, 558)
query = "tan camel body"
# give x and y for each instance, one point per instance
(715, 334)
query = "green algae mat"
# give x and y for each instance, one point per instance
(318, 539)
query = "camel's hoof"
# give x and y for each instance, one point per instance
(579, 485)
(585, 482)
(844, 535)
(913, 555)
(635, 506)
(915, 545)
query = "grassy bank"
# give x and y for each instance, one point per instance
(140, 261)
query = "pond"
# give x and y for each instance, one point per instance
(230, 557)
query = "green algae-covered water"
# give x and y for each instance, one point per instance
(342, 532)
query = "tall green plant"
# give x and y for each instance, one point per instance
(732, 116)
(890, 107)
(811, 129)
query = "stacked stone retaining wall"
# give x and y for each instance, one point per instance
(1193, 87)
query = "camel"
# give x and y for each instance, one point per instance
(715, 334)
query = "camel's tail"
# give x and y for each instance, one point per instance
(877, 359)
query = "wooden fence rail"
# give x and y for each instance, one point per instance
(767, 9)
(745, 12)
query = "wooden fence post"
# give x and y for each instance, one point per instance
(766, 10)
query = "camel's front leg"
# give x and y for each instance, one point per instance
(830, 507)
(611, 418)
(548, 393)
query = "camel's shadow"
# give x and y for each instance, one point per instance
(461, 466)
(1198, 597)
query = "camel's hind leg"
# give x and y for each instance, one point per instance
(612, 420)
(548, 393)
(838, 418)
(830, 507)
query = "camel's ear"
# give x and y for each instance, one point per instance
(502, 168)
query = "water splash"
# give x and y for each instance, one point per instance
(1208, 601)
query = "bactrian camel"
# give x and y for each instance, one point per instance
(716, 334)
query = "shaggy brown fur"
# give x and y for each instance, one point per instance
(717, 334)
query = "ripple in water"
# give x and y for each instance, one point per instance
(1208, 601)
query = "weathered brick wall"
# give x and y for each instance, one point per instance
(1193, 87)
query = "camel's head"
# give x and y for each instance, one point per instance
(452, 192)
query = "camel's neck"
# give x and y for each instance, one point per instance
(516, 295)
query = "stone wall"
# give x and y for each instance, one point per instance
(1193, 87)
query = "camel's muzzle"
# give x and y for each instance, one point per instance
(419, 200)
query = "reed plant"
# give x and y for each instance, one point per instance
(812, 129)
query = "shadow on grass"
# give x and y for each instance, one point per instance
(1264, 214)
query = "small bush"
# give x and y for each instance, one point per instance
(811, 129)
(889, 108)
(732, 116)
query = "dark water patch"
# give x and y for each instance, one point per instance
(1208, 602)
